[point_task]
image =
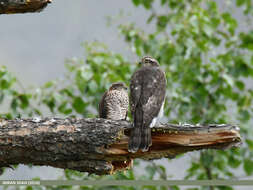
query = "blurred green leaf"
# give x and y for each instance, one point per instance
(136, 2)
(24, 100)
(78, 104)
(250, 144)
(248, 166)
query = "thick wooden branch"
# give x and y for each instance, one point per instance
(98, 145)
(22, 6)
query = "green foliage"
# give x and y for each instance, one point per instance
(207, 58)
(247, 4)
(248, 166)
(15, 102)
(146, 3)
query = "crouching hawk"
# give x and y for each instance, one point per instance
(114, 102)
(147, 94)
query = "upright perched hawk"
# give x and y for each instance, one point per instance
(114, 103)
(147, 94)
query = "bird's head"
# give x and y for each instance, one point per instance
(149, 61)
(118, 86)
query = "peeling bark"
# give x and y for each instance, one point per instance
(22, 6)
(100, 146)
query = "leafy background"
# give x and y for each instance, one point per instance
(207, 53)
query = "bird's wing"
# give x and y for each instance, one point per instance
(152, 93)
(135, 94)
(103, 107)
(135, 91)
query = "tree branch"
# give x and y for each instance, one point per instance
(22, 6)
(98, 145)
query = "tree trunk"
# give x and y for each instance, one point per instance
(22, 6)
(100, 146)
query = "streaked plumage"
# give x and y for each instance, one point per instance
(114, 102)
(147, 94)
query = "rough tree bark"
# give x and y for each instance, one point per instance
(22, 6)
(98, 145)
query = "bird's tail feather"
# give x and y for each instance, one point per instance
(146, 140)
(135, 140)
(135, 136)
